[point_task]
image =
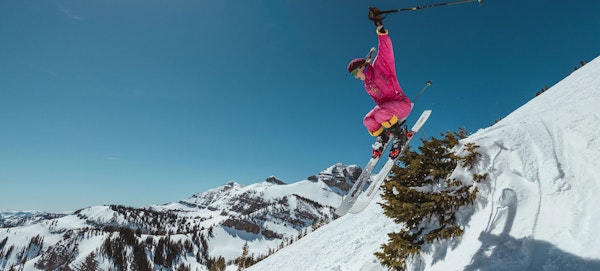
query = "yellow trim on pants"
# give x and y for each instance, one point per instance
(391, 122)
(378, 132)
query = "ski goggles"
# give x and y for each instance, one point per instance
(355, 71)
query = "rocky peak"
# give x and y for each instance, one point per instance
(339, 177)
(274, 180)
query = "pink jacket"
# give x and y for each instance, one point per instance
(380, 81)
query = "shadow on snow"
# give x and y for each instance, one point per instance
(504, 252)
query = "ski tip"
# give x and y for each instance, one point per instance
(341, 212)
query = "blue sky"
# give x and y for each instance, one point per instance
(147, 102)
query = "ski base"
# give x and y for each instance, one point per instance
(359, 198)
(359, 185)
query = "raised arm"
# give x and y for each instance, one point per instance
(385, 53)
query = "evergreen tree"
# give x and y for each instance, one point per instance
(140, 260)
(542, 90)
(244, 261)
(89, 264)
(424, 198)
(218, 265)
(314, 225)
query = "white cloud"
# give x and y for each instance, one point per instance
(69, 13)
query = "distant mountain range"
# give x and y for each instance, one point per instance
(10, 218)
(193, 233)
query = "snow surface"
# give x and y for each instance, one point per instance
(537, 211)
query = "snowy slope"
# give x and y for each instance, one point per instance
(537, 211)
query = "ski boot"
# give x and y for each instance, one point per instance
(401, 135)
(378, 146)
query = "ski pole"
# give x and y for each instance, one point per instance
(427, 84)
(431, 6)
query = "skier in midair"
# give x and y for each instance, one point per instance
(381, 83)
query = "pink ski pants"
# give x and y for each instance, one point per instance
(386, 114)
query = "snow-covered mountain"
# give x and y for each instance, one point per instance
(192, 233)
(11, 218)
(537, 211)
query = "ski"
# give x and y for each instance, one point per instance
(358, 186)
(361, 202)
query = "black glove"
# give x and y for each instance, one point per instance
(375, 16)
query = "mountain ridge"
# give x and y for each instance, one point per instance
(211, 224)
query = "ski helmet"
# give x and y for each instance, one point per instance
(355, 63)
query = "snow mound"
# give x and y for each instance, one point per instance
(537, 211)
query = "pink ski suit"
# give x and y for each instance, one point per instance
(382, 85)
